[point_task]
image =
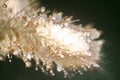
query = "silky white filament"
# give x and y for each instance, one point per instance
(30, 33)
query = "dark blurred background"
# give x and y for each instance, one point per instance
(104, 15)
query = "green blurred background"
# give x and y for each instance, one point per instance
(104, 15)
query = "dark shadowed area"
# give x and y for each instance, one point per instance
(104, 16)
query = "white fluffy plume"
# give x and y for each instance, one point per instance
(30, 33)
